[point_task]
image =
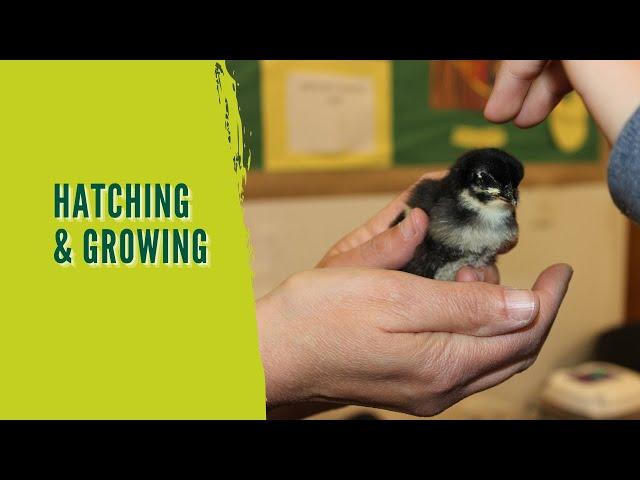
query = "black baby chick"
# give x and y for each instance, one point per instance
(471, 211)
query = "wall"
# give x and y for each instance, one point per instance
(576, 224)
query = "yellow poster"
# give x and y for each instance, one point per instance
(326, 115)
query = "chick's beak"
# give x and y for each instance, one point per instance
(508, 195)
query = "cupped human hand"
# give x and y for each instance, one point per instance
(397, 341)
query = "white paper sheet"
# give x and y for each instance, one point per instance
(330, 113)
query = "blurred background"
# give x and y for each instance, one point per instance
(332, 142)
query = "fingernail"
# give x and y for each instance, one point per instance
(479, 274)
(521, 305)
(408, 228)
(570, 272)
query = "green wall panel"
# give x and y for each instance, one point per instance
(420, 133)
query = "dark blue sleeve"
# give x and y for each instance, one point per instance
(624, 169)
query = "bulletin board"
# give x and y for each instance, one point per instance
(327, 127)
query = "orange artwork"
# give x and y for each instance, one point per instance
(460, 84)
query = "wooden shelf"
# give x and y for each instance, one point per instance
(633, 274)
(261, 184)
(264, 185)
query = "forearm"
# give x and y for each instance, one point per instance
(610, 90)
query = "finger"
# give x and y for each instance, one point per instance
(545, 93)
(379, 222)
(487, 274)
(471, 308)
(469, 274)
(491, 274)
(510, 89)
(550, 288)
(392, 249)
(372, 227)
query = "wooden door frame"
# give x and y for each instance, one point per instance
(633, 274)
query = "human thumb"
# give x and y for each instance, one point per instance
(391, 249)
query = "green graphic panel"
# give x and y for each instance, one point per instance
(247, 75)
(421, 134)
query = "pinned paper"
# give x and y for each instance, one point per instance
(330, 114)
(326, 115)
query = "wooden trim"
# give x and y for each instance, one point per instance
(262, 184)
(633, 274)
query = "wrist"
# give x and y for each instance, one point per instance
(609, 88)
(281, 379)
(581, 74)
